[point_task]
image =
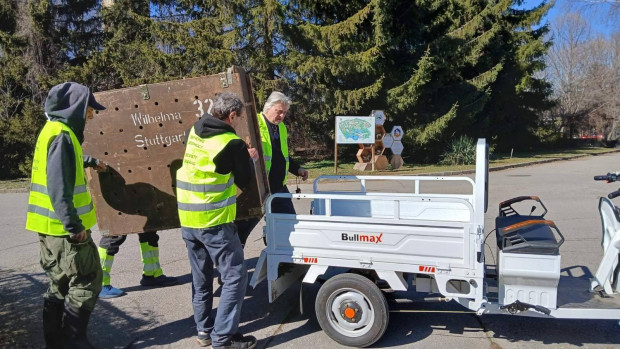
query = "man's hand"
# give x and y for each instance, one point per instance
(253, 153)
(303, 173)
(101, 166)
(81, 237)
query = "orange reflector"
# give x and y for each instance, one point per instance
(350, 313)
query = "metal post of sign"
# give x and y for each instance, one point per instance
(335, 145)
(373, 156)
(335, 156)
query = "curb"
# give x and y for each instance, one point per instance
(15, 190)
(521, 164)
(494, 168)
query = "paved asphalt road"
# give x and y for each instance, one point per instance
(163, 317)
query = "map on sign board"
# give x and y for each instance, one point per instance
(355, 129)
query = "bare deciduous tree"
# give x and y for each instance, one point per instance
(585, 72)
(566, 64)
(607, 9)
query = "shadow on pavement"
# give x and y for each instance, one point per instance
(553, 331)
(164, 334)
(21, 309)
(309, 325)
(257, 315)
(409, 328)
(572, 292)
(183, 279)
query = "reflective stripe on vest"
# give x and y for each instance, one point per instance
(41, 217)
(205, 198)
(266, 140)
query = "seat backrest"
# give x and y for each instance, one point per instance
(611, 224)
(608, 273)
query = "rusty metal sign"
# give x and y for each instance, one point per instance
(141, 136)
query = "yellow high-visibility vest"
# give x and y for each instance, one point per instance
(205, 198)
(266, 141)
(41, 217)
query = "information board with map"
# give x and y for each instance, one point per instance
(355, 129)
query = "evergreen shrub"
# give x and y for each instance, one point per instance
(462, 151)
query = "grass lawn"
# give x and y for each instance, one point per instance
(14, 185)
(326, 167)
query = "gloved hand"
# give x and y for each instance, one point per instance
(101, 166)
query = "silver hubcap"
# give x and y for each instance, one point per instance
(354, 326)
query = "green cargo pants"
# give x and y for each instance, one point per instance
(74, 270)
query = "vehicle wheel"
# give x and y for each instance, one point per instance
(352, 310)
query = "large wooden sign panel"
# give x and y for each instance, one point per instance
(141, 136)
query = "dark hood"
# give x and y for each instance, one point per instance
(209, 126)
(67, 103)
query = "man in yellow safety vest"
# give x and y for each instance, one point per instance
(278, 163)
(61, 210)
(216, 162)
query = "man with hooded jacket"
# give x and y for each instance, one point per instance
(215, 164)
(61, 210)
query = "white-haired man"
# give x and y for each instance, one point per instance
(274, 137)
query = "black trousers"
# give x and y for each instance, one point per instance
(113, 243)
(278, 205)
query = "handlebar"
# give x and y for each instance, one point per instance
(609, 177)
(614, 194)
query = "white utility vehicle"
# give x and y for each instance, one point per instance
(435, 243)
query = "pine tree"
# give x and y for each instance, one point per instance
(148, 42)
(20, 110)
(259, 43)
(332, 55)
(439, 68)
(432, 65)
(12, 91)
(519, 96)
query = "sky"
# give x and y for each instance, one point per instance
(598, 13)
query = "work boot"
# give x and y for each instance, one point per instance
(203, 339)
(152, 275)
(109, 291)
(75, 323)
(52, 323)
(238, 341)
(160, 281)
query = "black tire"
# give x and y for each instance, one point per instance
(352, 291)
